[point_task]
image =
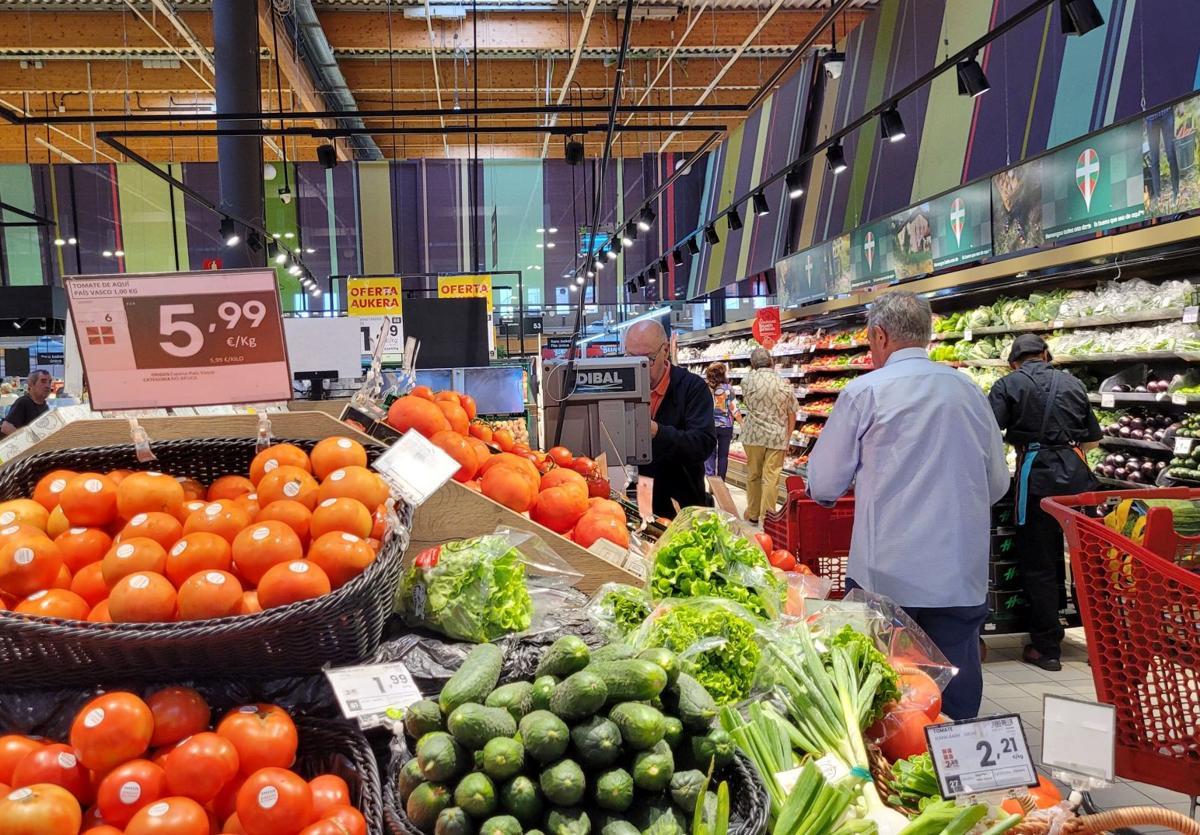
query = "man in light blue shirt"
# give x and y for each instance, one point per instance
(919, 444)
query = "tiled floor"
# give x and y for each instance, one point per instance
(1012, 686)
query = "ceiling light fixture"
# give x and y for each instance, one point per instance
(693, 245)
(891, 126)
(72, 241)
(229, 232)
(835, 157)
(553, 230)
(795, 184)
(327, 156)
(677, 257)
(60, 242)
(1080, 17)
(612, 255)
(645, 219)
(759, 201)
(120, 253)
(734, 219)
(971, 79)
(710, 235)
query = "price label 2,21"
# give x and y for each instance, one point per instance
(370, 689)
(981, 756)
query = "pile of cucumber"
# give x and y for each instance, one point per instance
(612, 741)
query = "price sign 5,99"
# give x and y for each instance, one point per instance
(169, 332)
(980, 756)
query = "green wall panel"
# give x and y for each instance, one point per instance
(22, 245)
(147, 231)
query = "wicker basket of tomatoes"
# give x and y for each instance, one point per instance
(215, 561)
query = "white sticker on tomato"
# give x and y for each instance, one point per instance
(23, 556)
(213, 509)
(125, 550)
(298, 568)
(270, 465)
(139, 520)
(130, 792)
(268, 796)
(93, 485)
(349, 537)
(77, 531)
(247, 709)
(327, 503)
(20, 794)
(58, 485)
(37, 595)
(291, 489)
(345, 443)
(94, 717)
(139, 581)
(215, 577)
(8, 517)
(10, 530)
(337, 475)
(260, 533)
(179, 548)
(66, 760)
(158, 809)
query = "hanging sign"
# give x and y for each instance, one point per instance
(766, 328)
(470, 287)
(180, 339)
(374, 297)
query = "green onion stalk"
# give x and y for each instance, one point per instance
(764, 738)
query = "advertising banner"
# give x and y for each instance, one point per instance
(766, 327)
(870, 254)
(801, 277)
(374, 297)
(1172, 162)
(470, 287)
(961, 225)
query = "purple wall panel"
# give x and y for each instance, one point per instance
(442, 227)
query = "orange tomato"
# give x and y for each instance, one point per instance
(89, 501)
(189, 508)
(277, 456)
(200, 551)
(559, 508)
(229, 487)
(129, 787)
(249, 503)
(42, 809)
(424, 392)
(342, 514)
(274, 801)
(29, 561)
(288, 482)
(249, 604)
(163, 528)
(178, 713)
(481, 431)
(468, 405)
(50, 486)
(110, 729)
(57, 523)
(607, 506)
(328, 790)
(509, 487)
(1045, 796)
(222, 517)
(455, 415)
(13, 748)
(119, 475)
(336, 452)
(170, 816)
(56, 764)
(54, 603)
(561, 456)
(354, 483)
(293, 514)
(341, 556)
(595, 525)
(348, 818)
(456, 446)
(143, 597)
(89, 584)
(291, 582)
(100, 613)
(23, 512)
(263, 545)
(919, 691)
(102, 829)
(149, 492)
(135, 554)
(224, 804)
(562, 477)
(82, 546)
(200, 766)
(503, 438)
(264, 735)
(418, 413)
(63, 579)
(192, 489)
(209, 594)
(483, 453)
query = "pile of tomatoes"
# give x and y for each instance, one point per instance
(140, 547)
(556, 489)
(154, 767)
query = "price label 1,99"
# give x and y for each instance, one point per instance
(370, 689)
(981, 756)
(183, 339)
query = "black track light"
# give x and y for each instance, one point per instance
(627, 235)
(327, 156)
(693, 245)
(1080, 17)
(711, 236)
(573, 151)
(677, 257)
(759, 202)
(254, 241)
(641, 279)
(651, 274)
(229, 232)
(662, 265)
(891, 126)
(971, 79)
(835, 158)
(645, 218)
(795, 184)
(734, 219)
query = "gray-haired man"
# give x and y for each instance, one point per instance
(920, 446)
(29, 406)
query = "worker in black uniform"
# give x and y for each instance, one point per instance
(1045, 414)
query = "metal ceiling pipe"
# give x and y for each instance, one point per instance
(319, 58)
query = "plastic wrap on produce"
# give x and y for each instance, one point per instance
(618, 610)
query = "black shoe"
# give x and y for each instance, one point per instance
(1045, 662)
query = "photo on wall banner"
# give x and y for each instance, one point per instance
(1172, 172)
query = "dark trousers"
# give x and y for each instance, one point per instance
(718, 463)
(1043, 570)
(955, 631)
(1161, 128)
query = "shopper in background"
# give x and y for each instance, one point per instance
(1045, 414)
(681, 423)
(29, 406)
(919, 445)
(725, 413)
(771, 408)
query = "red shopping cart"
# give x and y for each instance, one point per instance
(818, 536)
(1141, 615)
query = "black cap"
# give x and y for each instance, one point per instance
(1026, 344)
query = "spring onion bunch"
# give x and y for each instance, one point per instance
(816, 808)
(765, 739)
(913, 782)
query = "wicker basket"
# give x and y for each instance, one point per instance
(338, 628)
(333, 747)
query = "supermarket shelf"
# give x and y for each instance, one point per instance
(1134, 443)
(1141, 397)
(1128, 356)
(804, 415)
(1069, 324)
(734, 357)
(833, 369)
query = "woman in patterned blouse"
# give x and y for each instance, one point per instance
(771, 408)
(725, 412)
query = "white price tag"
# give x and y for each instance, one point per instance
(370, 689)
(834, 769)
(415, 467)
(1107, 399)
(609, 551)
(978, 756)
(1183, 446)
(802, 416)
(1079, 736)
(1191, 314)
(1179, 399)
(1058, 323)
(968, 335)
(635, 565)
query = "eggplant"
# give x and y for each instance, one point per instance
(1120, 472)
(1137, 434)
(1159, 434)
(1124, 420)
(1135, 477)
(1120, 388)
(1137, 423)
(1124, 431)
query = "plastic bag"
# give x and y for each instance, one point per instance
(618, 610)
(482, 588)
(803, 587)
(718, 641)
(706, 552)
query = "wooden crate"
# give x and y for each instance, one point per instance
(457, 512)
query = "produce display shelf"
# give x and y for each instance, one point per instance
(732, 357)
(1166, 315)
(1142, 397)
(1155, 446)
(806, 415)
(845, 346)
(1127, 356)
(833, 369)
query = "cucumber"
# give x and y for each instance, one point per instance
(641, 726)
(568, 822)
(453, 821)
(686, 788)
(613, 652)
(475, 679)
(563, 783)
(423, 717)
(614, 790)
(503, 758)
(569, 654)
(664, 658)
(653, 769)
(501, 825)
(673, 730)
(425, 804)
(617, 826)
(521, 798)
(578, 696)
(544, 735)
(714, 749)
(543, 688)
(688, 700)
(649, 813)
(440, 757)
(476, 795)
(630, 680)
(665, 825)
(516, 698)
(409, 778)
(597, 742)
(473, 725)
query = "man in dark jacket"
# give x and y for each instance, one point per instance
(681, 423)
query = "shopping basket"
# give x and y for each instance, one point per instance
(1141, 616)
(819, 537)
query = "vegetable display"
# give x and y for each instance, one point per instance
(1185, 466)
(619, 609)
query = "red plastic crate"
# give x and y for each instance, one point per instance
(818, 536)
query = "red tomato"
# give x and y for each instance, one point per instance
(1045, 795)
(102, 829)
(328, 790)
(225, 803)
(919, 692)
(264, 735)
(903, 733)
(178, 712)
(326, 826)
(55, 764)
(127, 788)
(274, 801)
(110, 729)
(561, 456)
(351, 820)
(13, 749)
(201, 766)
(583, 465)
(42, 809)
(783, 560)
(172, 816)
(765, 542)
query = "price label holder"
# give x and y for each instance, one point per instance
(141, 442)
(1183, 446)
(1179, 399)
(981, 756)
(366, 692)
(415, 467)
(968, 335)
(1107, 399)
(1191, 314)
(1079, 737)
